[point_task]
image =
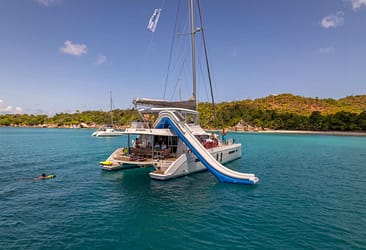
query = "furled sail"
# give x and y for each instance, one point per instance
(186, 104)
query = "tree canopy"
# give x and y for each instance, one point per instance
(283, 111)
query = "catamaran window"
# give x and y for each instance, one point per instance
(170, 141)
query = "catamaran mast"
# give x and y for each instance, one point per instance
(111, 109)
(187, 104)
(193, 50)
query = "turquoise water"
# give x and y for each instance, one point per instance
(312, 195)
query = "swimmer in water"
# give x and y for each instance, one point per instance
(44, 176)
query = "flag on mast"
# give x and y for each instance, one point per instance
(154, 20)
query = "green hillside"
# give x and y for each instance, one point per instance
(306, 105)
(284, 111)
(287, 111)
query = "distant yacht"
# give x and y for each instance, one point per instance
(108, 130)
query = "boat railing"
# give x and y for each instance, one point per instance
(229, 141)
(179, 116)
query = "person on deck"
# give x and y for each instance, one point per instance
(212, 136)
(224, 136)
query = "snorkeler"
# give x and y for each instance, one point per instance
(43, 176)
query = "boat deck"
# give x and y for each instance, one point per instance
(138, 158)
(142, 156)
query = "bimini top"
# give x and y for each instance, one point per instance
(149, 131)
(195, 130)
(158, 110)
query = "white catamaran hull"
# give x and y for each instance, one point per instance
(184, 165)
(188, 164)
(107, 133)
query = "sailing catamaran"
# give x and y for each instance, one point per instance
(108, 130)
(170, 139)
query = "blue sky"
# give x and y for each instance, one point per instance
(67, 55)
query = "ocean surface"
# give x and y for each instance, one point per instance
(311, 195)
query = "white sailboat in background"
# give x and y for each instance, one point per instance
(170, 139)
(108, 130)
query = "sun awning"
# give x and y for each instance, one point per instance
(149, 131)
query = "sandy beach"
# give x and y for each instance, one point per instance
(344, 133)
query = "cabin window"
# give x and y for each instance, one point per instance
(170, 141)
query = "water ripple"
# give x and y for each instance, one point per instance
(312, 195)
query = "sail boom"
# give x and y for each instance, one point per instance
(186, 104)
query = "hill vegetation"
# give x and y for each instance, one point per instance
(285, 111)
(86, 118)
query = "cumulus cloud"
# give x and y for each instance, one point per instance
(19, 110)
(333, 21)
(357, 4)
(327, 50)
(101, 59)
(8, 109)
(48, 3)
(74, 49)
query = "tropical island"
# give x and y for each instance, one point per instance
(274, 112)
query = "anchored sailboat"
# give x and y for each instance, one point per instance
(170, 139)
(108, 130)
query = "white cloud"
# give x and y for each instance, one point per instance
(47, 3)
(101, 59)
(19, 110)
(356, 4)
(333, 21)
(74, 49)
(8, 109)
(327, 50)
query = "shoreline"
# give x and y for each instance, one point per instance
(80, 126)
(265, 131)
(308, 132)
(300, 132)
